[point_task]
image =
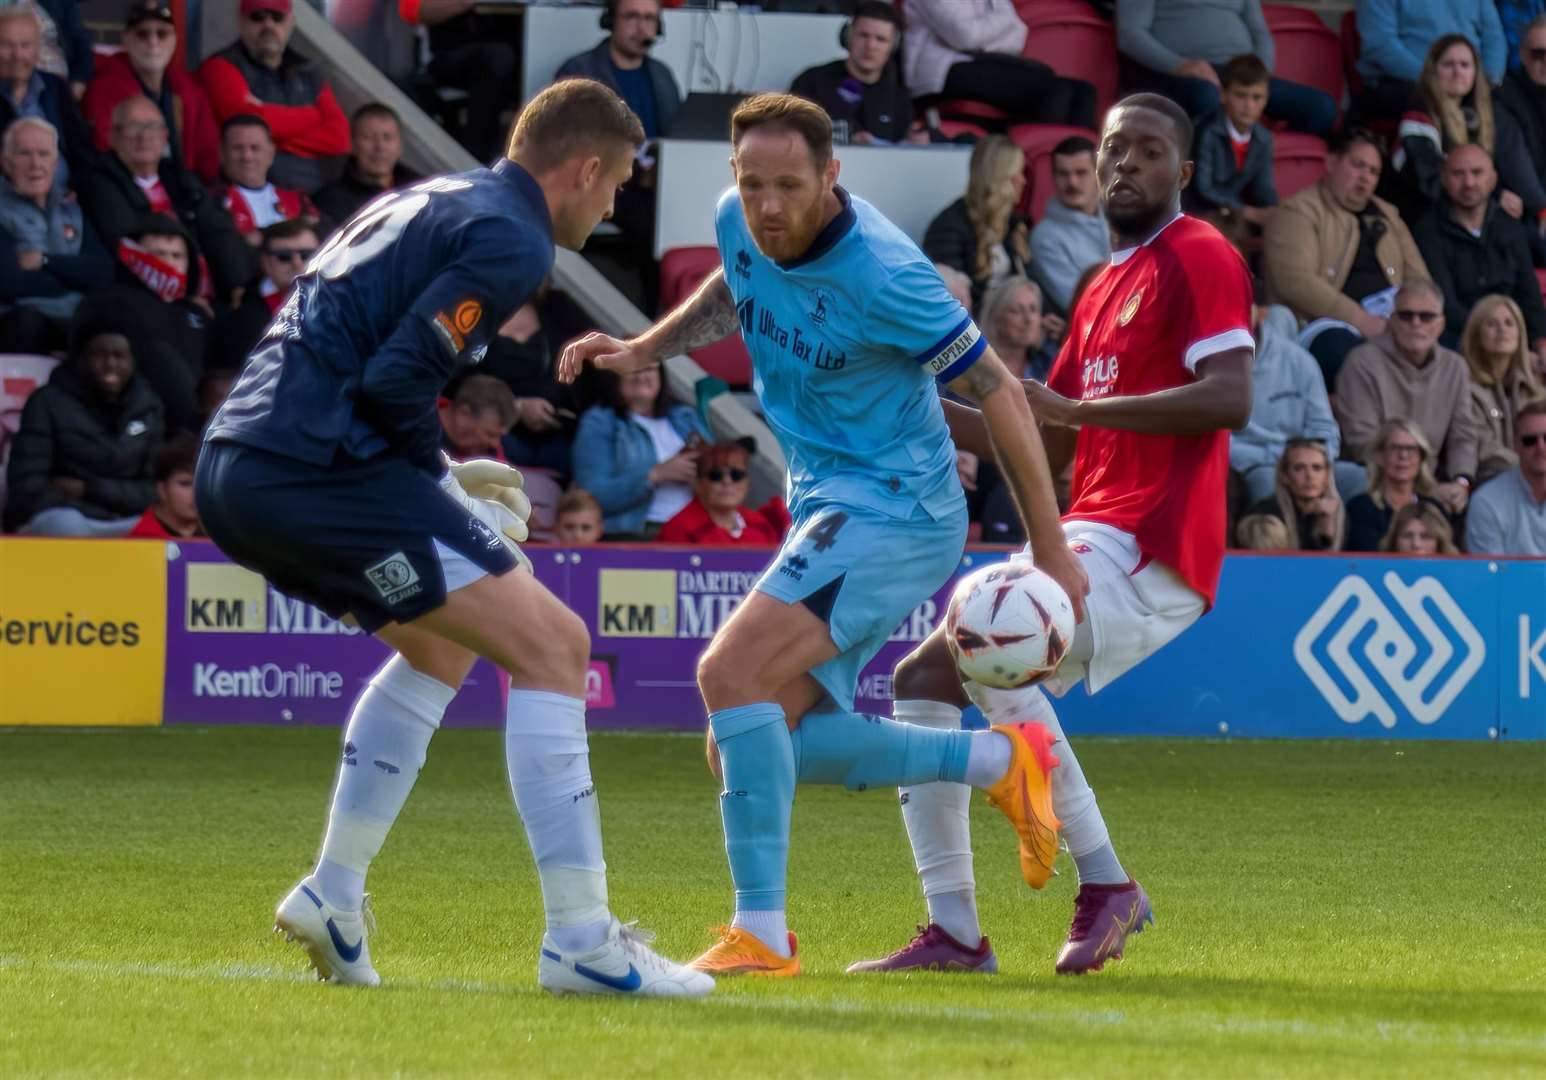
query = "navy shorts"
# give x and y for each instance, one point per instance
(375, 539)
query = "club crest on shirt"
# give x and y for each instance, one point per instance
(823, 301)
(1130, 308)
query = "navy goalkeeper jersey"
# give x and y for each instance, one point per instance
(415, 284)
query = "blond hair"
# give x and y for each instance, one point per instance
(990, 202)
(571, 117)
(1289, 510)
(1429, 515)
(1471, 345)
(1263, 532)
(1425, 484)
(1449, 114)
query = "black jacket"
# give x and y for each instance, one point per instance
(951, 240)
(1527, 103)
(595, 64)
(58, 104)
(67, 429)
(342, 199)
(118, 209)
(885, 110)
(1216, 182)
(1468, 268)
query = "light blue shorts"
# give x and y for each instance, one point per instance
(862, 574)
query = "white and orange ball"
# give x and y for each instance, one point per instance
(1008, 625)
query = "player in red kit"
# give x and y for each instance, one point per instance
(1153, 374)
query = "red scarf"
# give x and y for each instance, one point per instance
(161, 278)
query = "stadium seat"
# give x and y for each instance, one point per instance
(1540, 275)
(1297, 162)
(953, 128)
(1351, 47)
(1307, 50)
(983, 117)
(1076, 43)
(20, 375)
(681, 269)
(1037, 140)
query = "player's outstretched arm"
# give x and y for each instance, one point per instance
(1017, 445)
(1219, 399)
(702, 319)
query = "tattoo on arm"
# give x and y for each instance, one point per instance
(706, 316)
(979, 380)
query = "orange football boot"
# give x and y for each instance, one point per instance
(739, 952)
(1024, 796)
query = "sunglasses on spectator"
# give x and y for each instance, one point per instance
(1418, 316)
(1529, 441)
(1536, 54)
(290, 256)
(266, 15)
(157, 33)
(735, 476)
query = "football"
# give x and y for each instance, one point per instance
(1008, 625)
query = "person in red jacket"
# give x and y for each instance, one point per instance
(715, 516)
(145, 68)
(261, 74)
(253, 200)
(173, 516)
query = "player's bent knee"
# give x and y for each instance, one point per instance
(928, 674)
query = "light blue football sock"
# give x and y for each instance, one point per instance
(757, 760)
(861, 751)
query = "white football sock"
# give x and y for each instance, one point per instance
(988, 757)
(1072, 799)
(767, 927)
(548, 759)
(384, 747)
(938, 826)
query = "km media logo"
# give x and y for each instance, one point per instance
(1371, 642)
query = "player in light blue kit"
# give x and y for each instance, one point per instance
(850, 332)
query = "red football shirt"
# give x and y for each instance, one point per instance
(1143, 325)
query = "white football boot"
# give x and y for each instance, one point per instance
(333, 938)
(622, 964)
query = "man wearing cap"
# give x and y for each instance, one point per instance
(145, 69)
(261, 74)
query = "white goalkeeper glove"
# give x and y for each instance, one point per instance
(491, 491)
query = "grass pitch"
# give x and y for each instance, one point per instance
(1347, 909)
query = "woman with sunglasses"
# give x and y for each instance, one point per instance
(717, 514)
(1400, 462)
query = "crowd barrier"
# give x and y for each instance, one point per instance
(142, 632)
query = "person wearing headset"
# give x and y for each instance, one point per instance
(622, 62)
(863, 93)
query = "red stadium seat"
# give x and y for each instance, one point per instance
(1307, 50)
(951, 128)
(1297, 161)
(681, 269)
(1540, 275)
(1076, 43)
(980, 116)
(1037, 140)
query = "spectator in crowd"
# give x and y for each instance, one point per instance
(245, 190)
(1517, 17)
(1406, 372)
(522, 354)
(1473, 249)
(1181, 47)
(213, 388)
(1508, 516)
(1400, 463)
(1501, 379)
(863, 93)
(1016, 329)
(83, 459)
(1288, 401)
(1263, 532)
(173, 516)
(623, 62)
(1394, 36)
(637, 454)
(475, 417)
(169, 322)
(717, 515)
(49, 255)
(145, 69)
(1072, 235)
(980, 233)
(1305, 499)
(469, 51)
(1336, 251)
(578, 518)
(957, 285)
(260, 73)
(137, 179)
(1232, 184)
(66, 48)
(970, 49)
(375, 163)
(283, 253)
(1419, 529)
(25, 90)
(1523, 93)
(1453, 107)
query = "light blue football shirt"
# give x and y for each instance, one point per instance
(846, 345)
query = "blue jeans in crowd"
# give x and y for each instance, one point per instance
(1301, 107)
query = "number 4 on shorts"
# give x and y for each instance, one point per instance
(824, 535)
